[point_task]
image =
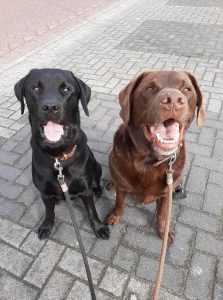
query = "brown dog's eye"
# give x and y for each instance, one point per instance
(187, 89)
(150, 88)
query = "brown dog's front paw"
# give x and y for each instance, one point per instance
(171, 235)
(113, 219)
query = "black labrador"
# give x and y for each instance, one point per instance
(52, 97)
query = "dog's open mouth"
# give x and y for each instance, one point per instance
(166, 136)
(53, 132)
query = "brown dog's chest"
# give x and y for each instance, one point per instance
(147, 183)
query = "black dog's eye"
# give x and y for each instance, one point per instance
(66, 89)
(36, 88)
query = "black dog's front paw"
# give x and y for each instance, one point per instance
(101, 230)
(44, 229)
(98, 191)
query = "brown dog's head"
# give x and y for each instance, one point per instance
(162, 104)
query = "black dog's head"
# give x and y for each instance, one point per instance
(52, 97)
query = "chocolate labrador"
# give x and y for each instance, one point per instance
(157, 108)
(52, 97)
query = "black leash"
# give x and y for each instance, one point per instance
(64, 187)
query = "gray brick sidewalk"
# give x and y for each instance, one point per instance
(106, 51)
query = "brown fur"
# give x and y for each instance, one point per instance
(132, 157)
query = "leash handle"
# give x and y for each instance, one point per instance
(64, 187)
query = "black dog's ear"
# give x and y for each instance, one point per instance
(19, 92)
(84, 93)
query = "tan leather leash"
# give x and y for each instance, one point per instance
(169, 182)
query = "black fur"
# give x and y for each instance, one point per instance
(53, 95)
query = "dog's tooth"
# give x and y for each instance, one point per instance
(158, 137)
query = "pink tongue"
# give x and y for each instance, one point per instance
(169, 132)
(53, 131)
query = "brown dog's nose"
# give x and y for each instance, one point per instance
(173, 100)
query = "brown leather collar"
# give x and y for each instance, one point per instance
(66, 156)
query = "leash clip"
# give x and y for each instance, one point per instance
(59, 168)
(169, 172)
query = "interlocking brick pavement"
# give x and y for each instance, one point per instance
(26, 24)
(104, 52)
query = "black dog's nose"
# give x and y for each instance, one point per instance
(50, 108)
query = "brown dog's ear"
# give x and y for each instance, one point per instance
(125, 98)
(84, 93)
(200, 106)
(19, 92)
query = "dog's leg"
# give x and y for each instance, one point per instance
(101, 230)
(45, 228)
(97, 179)
(115, 215)
(161, 205)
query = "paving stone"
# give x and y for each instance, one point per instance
(8, 284)
(25, 177)
(198, 149)
(13, 260)
(137, 290)
(29, 195)
(211, 164)
(57, 287)
(62, 212)
(99, 146)
(125, 258)
(209, 243)
(11, 209)
(216, 178)
(21, 134)
(173, 278)
(9, 172)
(25, 160)
(197, 180)
(164, 295)
(65, 234)
(81, 291)
(9, 189)
(145, 39)
(23, 146)
(200, 220)
(32, 244)
(144, 242)
(180, 252)
(201, 275)
(114, 281)
(193, 201)
(207, 136)
(218, 149)
(12, 233)
(72, 262)
(104, 249)
(213, 199)
(33, 214)
(220, 272)
(218, 292)
(6, 156)
(8, 146)
(44, 264)
(137, 216)
(199, 3)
